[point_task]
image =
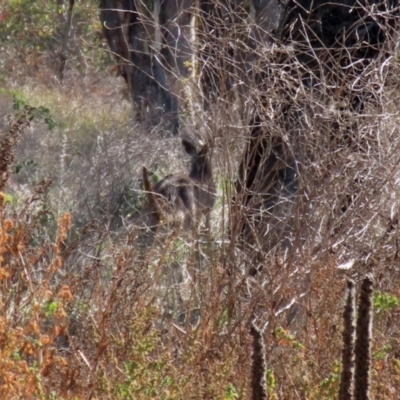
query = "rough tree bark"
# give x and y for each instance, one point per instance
(130, 30)
(65, 40)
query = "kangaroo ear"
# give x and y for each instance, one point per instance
(204, 150)
(189, 147)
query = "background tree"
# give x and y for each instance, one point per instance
(87, 311)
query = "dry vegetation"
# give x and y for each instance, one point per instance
(87, 312)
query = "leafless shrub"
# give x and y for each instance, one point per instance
(92, 313)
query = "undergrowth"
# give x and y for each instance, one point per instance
(87, 311)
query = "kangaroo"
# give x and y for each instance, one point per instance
(182, 198)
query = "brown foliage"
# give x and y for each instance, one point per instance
(86, 312)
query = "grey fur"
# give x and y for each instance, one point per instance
(182, 198)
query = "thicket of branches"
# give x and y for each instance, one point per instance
(88, 311)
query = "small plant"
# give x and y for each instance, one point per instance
(231, 393)
(384, 302)
(284, 338)
(40, 113)
(271, 384)
(329, 386)
(382, 353)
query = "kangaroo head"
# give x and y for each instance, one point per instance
(200, 169)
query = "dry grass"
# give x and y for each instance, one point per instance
(87, 312)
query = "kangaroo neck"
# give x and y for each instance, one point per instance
(201, 174)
